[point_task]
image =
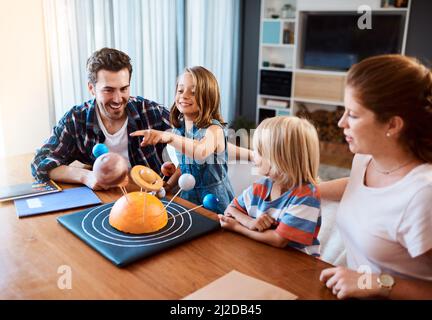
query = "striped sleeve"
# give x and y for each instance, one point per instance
(249, 201)
(239, 202)
(300, 221)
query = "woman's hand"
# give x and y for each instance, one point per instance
(346, 283)
(152, 136)
(262, 223)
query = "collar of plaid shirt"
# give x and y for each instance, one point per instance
(142, 114)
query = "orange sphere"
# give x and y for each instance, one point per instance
(139, 213)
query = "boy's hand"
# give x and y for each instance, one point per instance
(152, 136)
(227, 222)
(262, 223)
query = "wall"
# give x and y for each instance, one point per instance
(249, 58)
(418, 44)
(24, 100)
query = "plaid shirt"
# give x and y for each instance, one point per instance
(74, 137)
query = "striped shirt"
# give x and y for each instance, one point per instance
(297, 212)
(78, 131)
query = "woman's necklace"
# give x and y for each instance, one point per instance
(387, 172)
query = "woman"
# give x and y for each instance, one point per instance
(385, 212)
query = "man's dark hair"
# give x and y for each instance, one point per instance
(107, 59)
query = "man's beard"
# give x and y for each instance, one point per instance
(115, 114)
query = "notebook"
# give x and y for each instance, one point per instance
(238, 286)
(26, 190)
(67, 199)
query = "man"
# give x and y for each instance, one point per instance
(109, 118)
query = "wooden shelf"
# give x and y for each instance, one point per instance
(273, 108)
(316, 101)
(316, 71)
(280, 19)
(277, 69)
(319, 87)
(390, 9)
(282, 45)
(267, 96)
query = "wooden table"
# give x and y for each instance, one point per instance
(32, 250)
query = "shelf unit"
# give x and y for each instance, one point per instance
(280, 57)
(276, 57)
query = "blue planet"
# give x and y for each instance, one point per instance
(99, 149)
(210, 202)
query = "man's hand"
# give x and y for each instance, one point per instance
(89, 179)
(152, 136)
(71, 174)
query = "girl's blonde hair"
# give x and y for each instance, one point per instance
(291, 146)
(207, 97)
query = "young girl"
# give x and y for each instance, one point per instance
(198, 136)
(284, 207)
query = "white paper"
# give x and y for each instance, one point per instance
(34, 203)
(238, 286)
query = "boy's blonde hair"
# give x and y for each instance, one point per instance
(207, 97)
(291, 146)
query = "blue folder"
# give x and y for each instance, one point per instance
(63, 200)
(92, 226)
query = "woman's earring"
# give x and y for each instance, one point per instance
(388, 134)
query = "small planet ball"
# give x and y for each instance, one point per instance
(147, 175)
(161, 193)
(110, 169)
(210, 202)
(99, 149)
(186, 182)
(146, 178)
(168, 169)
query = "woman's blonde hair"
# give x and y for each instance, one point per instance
(207, 97)
(291, 146)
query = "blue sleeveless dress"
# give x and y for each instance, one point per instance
(210, 174)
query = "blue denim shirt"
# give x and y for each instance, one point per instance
(211, 174)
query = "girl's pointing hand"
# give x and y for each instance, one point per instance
(152, 136)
